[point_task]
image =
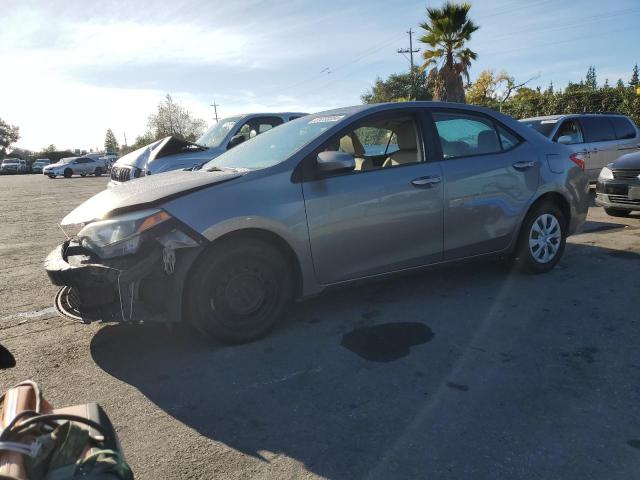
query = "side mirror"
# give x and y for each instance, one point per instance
(565, 140)
(330, 162)
(235, 141)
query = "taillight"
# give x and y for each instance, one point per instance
(577, 159)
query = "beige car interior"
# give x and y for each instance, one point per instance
(404, 132)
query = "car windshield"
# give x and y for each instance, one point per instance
(545, 127)
(217, 133)
(9, 162)
(67, 160)
(275, 145)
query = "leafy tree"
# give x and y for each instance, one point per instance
(620, 84)
(447, 29)
(481, 92)
(173, 119)
(634, 77)
(110, 142)
(9, 134)
(591, 80)
(398, 87)
(490, 89)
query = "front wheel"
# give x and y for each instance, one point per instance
(68, 173)
(617, 212)
(51, 176)
(238, 290)
(542, 239)
(98, 172)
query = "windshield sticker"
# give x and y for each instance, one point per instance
(549, 121)
(331, 118)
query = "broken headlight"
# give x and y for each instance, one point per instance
(121, 235)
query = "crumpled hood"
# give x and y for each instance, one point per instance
(146, 192)
(138, 157)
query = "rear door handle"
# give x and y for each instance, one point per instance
(523, 165)
(426, 181)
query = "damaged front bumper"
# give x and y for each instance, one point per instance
(145, 287)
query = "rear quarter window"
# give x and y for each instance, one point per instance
(623, 128)
(597, 129)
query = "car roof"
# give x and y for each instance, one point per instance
(381, 107)
(265, 114)
(570, 115)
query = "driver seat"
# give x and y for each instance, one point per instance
(351, 144)
(407, 146)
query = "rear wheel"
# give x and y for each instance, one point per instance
(617, 212)
(238, 290)
(98, 172)
(542, 239)
(83, 174)
(68, 173)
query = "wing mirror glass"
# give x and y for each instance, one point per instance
(565, 140)
(235, 141)
(329, 162)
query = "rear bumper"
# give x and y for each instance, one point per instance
(103, 288)
(618, 194)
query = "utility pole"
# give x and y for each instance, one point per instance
(125, 138)
(411, 51)
(215, 109)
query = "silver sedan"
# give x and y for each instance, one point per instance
(328, 199)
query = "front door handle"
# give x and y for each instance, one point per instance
(523, 165)
(426, 181)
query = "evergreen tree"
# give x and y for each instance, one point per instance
(620, 84)
(110, 142)
(634, 77)
(591, 81)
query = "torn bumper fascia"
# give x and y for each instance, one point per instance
(134, 288)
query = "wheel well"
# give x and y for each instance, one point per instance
(273, 239)
(556, 199)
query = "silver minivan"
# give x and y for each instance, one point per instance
(599, 138)
(328, 199)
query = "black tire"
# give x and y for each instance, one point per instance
(539, 260)
(238, 290)
(83, 174)
(98, 172)
(68, 173)
(51, 176)
(617, 212)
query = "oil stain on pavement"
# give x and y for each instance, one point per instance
(6, 358)
(387, 341)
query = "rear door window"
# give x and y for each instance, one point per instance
(597, 129)
(623, 128)
(464, 134)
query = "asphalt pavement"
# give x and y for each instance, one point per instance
(469, 372)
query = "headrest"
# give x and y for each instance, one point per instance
(488, 142)
(351, 144)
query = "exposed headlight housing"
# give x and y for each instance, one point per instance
(606, 174)
(121, 235)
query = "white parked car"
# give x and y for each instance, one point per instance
(70, 166)
(13, 165)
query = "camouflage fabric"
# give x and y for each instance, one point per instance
(60, 453)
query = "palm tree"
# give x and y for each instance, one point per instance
(446, 32)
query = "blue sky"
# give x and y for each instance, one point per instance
(73, 68)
